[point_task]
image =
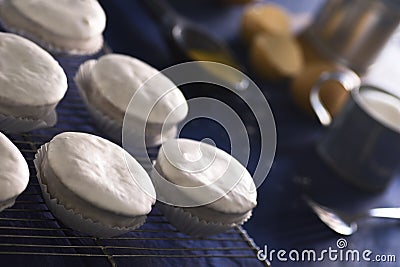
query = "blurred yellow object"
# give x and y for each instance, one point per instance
(223, 73)
(264, 18)
(333, 95)
(202, 55)
(276, 57)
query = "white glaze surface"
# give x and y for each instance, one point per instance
(76, 19)
(190, 163)
(29, 76)
(118, 78)
(96, 170)
(14, 171)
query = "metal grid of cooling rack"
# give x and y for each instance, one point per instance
(28, 229)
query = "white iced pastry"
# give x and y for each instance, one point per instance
(74, 26)
(113, 81)
(14, 173)
(212, 186)
(89, 175)
(31, 80)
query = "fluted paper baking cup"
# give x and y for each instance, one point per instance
(190, 224)
(74, 220)
(10, 124)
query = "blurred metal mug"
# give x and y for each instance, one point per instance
(353, 32)
(362, 143)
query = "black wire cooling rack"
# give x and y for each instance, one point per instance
(29, 232)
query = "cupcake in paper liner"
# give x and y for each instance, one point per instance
(14, 173)
(120, 89)
(201, 189)
(92, 185)
(31, 85)
(62, 26)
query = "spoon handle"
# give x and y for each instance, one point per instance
(390, 213)
(161, 11)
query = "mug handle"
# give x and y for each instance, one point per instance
(347, 78)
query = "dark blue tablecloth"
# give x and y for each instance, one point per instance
(281, 220)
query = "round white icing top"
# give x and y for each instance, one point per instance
(191, 164)
(120, 78)
(28, 74)
(76, 19)
(14, 171)
(96, 170)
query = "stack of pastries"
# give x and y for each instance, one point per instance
(89, 183)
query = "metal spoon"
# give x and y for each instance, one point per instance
(346, 224)
(195, 43)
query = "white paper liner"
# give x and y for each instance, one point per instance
(7, 203)
(191, 225)
(10, 124)
(48, 46)
(107, 125)
(75, 220)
